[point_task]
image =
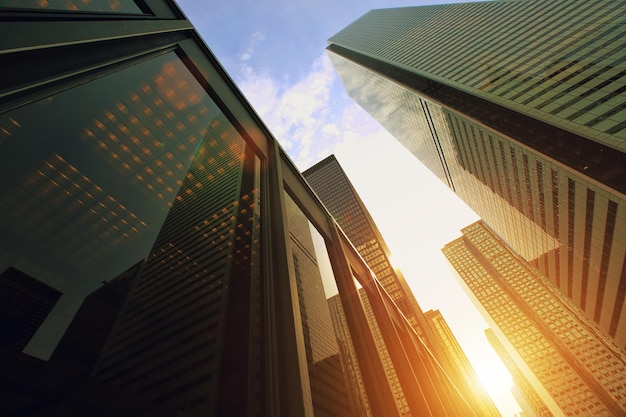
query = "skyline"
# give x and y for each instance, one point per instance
(312, 117)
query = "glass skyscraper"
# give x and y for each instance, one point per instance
(518, 107)
(573, 367)
(331, 184)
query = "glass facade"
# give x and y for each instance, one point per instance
(562, 64)
(136, 180)
(510, 132)
(575, 369)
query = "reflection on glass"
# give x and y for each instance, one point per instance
(89, 174)
(110, 6)
(329, 386)
(195, 310)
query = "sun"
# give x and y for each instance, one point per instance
(494, 375)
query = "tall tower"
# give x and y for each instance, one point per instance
(347, 346)
(518, 107)
(572, 366)
(523, 390)
(25, 302)
(332, 186)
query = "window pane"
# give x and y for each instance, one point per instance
(107, 6)
(89, 174)
(334, 387)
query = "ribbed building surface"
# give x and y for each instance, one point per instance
(573, 367)
(518, 107)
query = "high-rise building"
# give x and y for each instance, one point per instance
(518, 107)
(329, 385)
(522, 391)
(25, 302)
(464, 370)
(574, 368)
(83, 341)
(126, 149)
(331, 184)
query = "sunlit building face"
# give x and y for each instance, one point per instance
(571, 366)
(515, 106)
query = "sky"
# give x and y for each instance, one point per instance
(274, 51)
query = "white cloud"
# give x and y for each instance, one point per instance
(302, 116)
(295, 113)
(256, 38)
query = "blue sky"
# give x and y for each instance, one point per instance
(274, 51)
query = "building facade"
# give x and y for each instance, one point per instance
(573, 367)
(518, 108)
(125, 147)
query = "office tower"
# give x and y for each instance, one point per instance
(332, 186)
(83, 341)
(463, 369)
(334, 189)
(25, 302)
(517, 106)
(125, 147)
(574, 368)
(522, 391)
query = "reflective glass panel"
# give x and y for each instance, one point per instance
(89, 174)
(335, 388)
(102, 6)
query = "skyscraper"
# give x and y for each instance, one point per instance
(336, 192)
(573, 367)
(523, 390)
(125, 147)
(25, 302)
(518, 107)
(84, 339)
(332, 186)
(347, 345)
(464, 370)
